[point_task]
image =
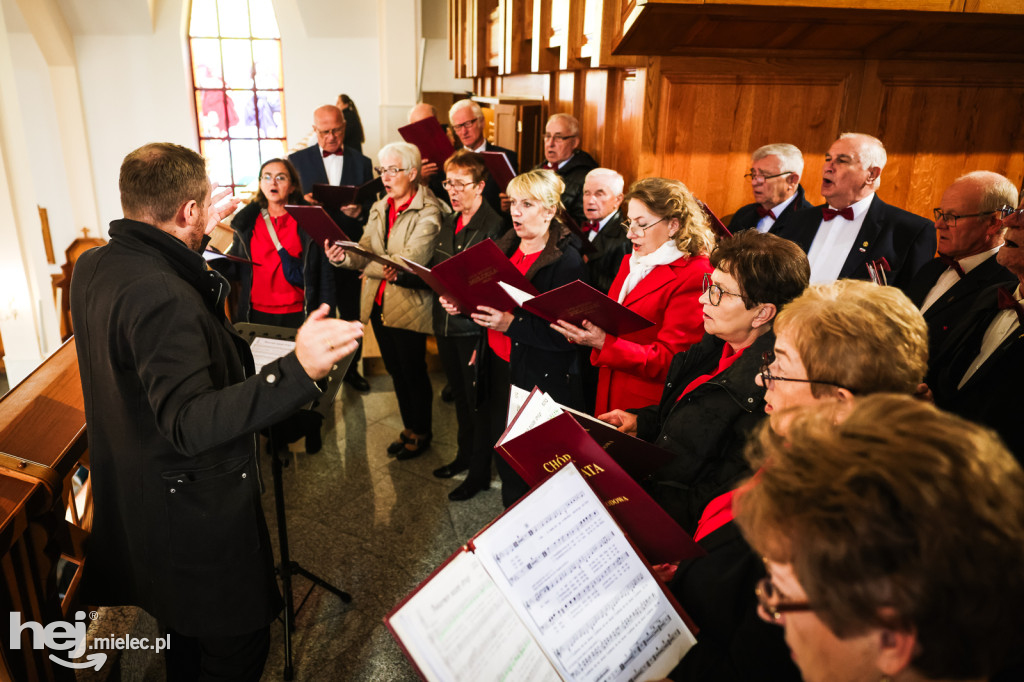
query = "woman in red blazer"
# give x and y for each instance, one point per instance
(661, 279)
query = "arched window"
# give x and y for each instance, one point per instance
(236, 74)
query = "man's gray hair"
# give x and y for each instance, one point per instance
(408, 153)
(872, 151)
(569, 120)
(473, 107)
(790, 158)
(994, 190)
(612, 179)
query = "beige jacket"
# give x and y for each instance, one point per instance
(413, 236)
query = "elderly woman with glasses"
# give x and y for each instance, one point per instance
(404, 223)
(893, 544)
(523, 349)
(661, 279)
(458, 337)
(710, 401)
(834, 344)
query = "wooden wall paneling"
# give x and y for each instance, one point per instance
(712, 115)
(517, 39)
(647, 159)
(571, 56)
(624, 122)
(901, 5)
(543, 58)
(595, 109)
(993, 6)
(563, 94)
(939, 121)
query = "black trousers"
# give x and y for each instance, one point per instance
(405, 356)
(347, 288)
(474, 447)
(498, 381)
(238, 658)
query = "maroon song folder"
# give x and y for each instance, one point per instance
(716, 224)
(544, 449)
(333, 196)
(470, 278)
(578, 301)
(499, 168)
(386, 261)
(314, 221)
(429, 137)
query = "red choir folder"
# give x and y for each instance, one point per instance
(314, 221)
(213, 254)
(429, 137)
(549, 446)
(500, 169)
(578, 301)
(553, 589)
(334, 196)
(383, 259)
(716, 224)
(586, 246)
(471, 278)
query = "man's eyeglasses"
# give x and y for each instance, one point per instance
(771, 603)
(280, 177)
(459, 127)
(1006, 212)
(637, 228)
(767, 378)
(548, 137)
(456, 186)
(715, 291)
(390, 170)
(756, 178)
(950, 218)
(337, 132)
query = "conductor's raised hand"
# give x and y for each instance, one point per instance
(335, 253)
(322, 341)
(222, 204)
(623, 421)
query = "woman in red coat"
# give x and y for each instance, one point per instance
(662, 280)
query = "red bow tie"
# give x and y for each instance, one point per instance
(952, 263)
(327, 153)
(1005, 301)
(830, 213)
(762, 211)
(590, 226)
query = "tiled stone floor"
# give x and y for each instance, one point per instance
(371, 525)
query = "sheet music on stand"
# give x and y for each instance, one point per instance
(269, 343)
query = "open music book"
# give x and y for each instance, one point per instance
(551, 590)
(543, 437)
(578, 301)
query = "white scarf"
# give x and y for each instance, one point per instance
(641, 266)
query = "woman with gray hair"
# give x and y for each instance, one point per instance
(404, 223)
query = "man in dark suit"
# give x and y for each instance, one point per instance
(856, 233)
(775, 171)
(328, 162)
(602, 199)
(172, 404)
(563, 155)
(970, 232)
(467, 120)
(976, 374)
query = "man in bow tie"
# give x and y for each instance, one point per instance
(563, 155)
(774, 176)
(976, 373)
(856, 233)
(969, 226)
(329, 162)
(602, 197)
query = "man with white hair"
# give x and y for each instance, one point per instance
(467, 120)
(774, 176)
(856, 233)
(969, 226)
(602, 197)
(563, 155)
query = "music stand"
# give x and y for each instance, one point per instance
(252, 333)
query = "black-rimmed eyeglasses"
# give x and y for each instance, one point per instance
(755, 178)
(715, 292)
(950, 218)
(771, 603)
(767, 378)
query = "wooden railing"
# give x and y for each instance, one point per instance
(43, 522)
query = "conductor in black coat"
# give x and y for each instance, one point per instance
(856, 229)
(172, 404)
(969, 226)
(775, 171)
(328, 162)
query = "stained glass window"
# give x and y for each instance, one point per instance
(239, 88)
